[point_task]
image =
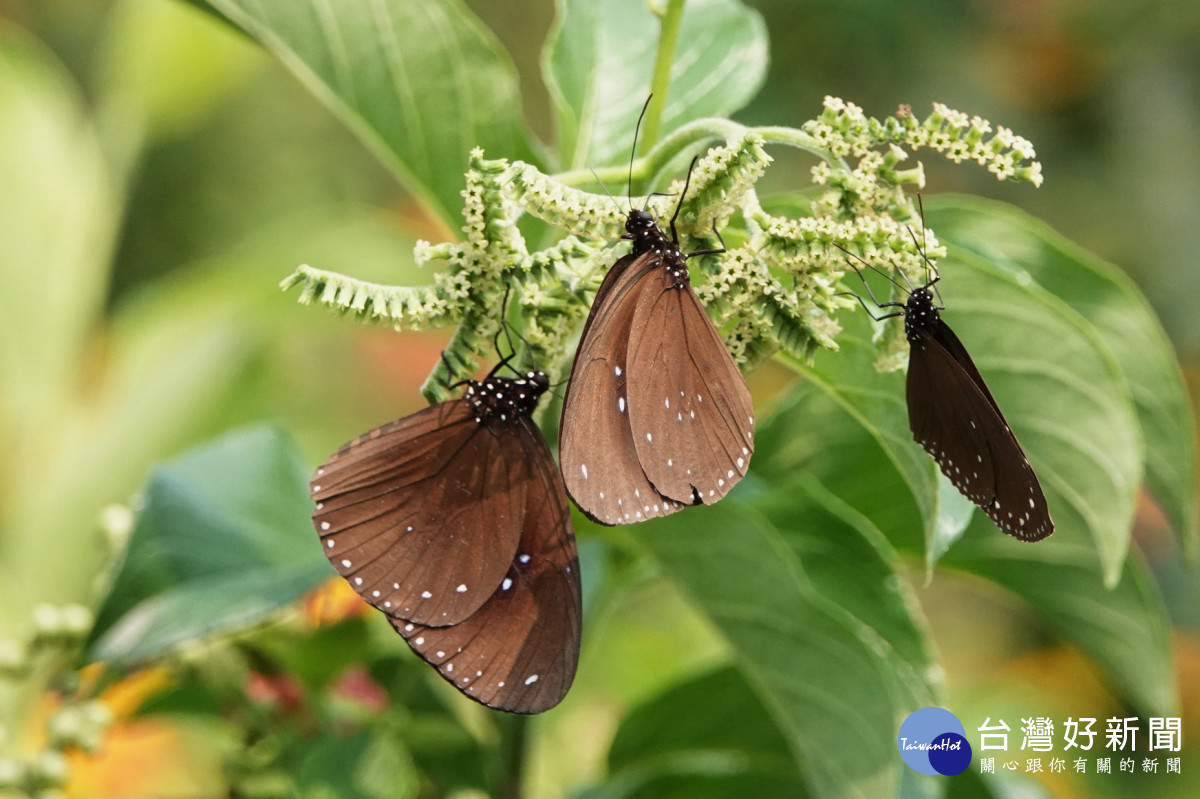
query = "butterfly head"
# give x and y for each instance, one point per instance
(638, 223)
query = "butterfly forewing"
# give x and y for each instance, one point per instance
(690, 413)
(953, 415)
(519, 651)
(600, 463)
(399, 509)
(944, 406)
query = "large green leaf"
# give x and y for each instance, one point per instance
(421, 82)
(600, 58)
(362, 765)
(58, 216)
(1122, 318)
(856, 439)
(222, 541)
(852, 565)
(831, 667)
(1058, 384)
(701, 736)
(848, 425)
(1125, 628)
(1064, 396)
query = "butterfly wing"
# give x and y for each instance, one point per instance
(423, 515)
(519, 651)
(600, 463)
(953, 415)
(690, 412)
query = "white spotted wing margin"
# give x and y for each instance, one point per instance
(953, 415)
(657, 416)
(519, 652)
(423, 516)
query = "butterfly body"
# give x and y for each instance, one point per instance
(453, 522)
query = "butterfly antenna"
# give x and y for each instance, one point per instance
(932, 268)
(679, 205)
(870, 293)
(609, 193)
(873, 268)
(504, 330)
(633, 152)
(450, 374)
(935, 276)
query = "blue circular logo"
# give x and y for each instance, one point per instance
(933, 741)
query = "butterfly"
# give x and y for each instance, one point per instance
(954, 416)
(657, 415)
(454, 522)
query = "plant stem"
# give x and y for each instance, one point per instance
(668, 38)
(698, 130)
(695, 131)
(513, 739)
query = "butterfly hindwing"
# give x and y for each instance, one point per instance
(519, 651)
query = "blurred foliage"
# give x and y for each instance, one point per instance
(162, 171)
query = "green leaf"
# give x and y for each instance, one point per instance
(1063, 394)
(851, 564)
(970, 785)
(422, 83)
(1124, 628)
(223, 541)
(717, 711)
(362, 765)
(857, 441)
(58, 217)
(707, 776)
(1110, 301)
(600, 57)
(830, 666)
(698, 738)
(1059, 386)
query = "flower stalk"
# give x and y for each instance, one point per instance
(777, 288)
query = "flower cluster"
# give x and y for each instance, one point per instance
(781, 287)
(844, 130)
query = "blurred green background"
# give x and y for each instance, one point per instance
(187, 172)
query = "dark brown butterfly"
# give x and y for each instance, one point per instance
(657, 415)
(453, 522)
(954, 416)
